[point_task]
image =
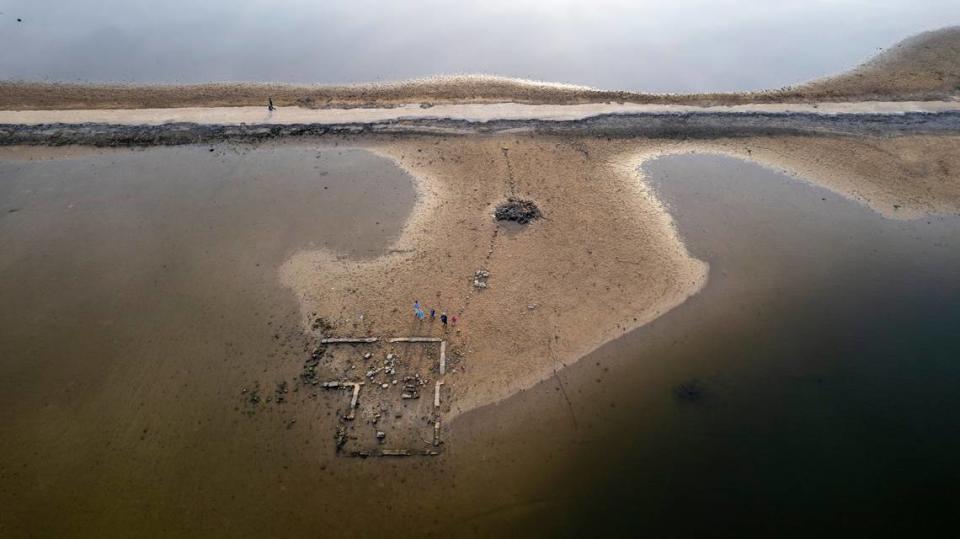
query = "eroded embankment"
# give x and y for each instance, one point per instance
(672, 125)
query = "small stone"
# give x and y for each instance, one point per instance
(390, 356)
(385, 386)
(381, 435)
(367, 355)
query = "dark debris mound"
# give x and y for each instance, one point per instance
(518, 211)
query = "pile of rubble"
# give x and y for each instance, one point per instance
(389, 368)
(411, 387)
(480, 278)
(309, 374)
(518, 211)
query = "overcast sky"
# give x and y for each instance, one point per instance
(677, 45)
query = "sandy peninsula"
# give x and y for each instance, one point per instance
(605, 258)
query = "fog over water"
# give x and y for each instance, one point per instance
(681, 46)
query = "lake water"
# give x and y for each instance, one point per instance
(139, 293)
(678, 46)
(808, 390)
(810, 386)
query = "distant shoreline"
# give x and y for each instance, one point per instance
(925, 67)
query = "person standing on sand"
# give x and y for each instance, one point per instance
(417, 310)
(453, 321)
(433, 314)
(270, 106)
(443, 319)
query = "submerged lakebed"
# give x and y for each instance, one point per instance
(812, 381)
(140, 294)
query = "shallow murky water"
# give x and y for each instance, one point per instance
(139, 293)
(678, 46)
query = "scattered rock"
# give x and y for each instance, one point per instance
(341, 436)
(480, 278)
(281, 391)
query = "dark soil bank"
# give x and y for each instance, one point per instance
(666, 125)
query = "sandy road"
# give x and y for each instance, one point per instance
(462, 112)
